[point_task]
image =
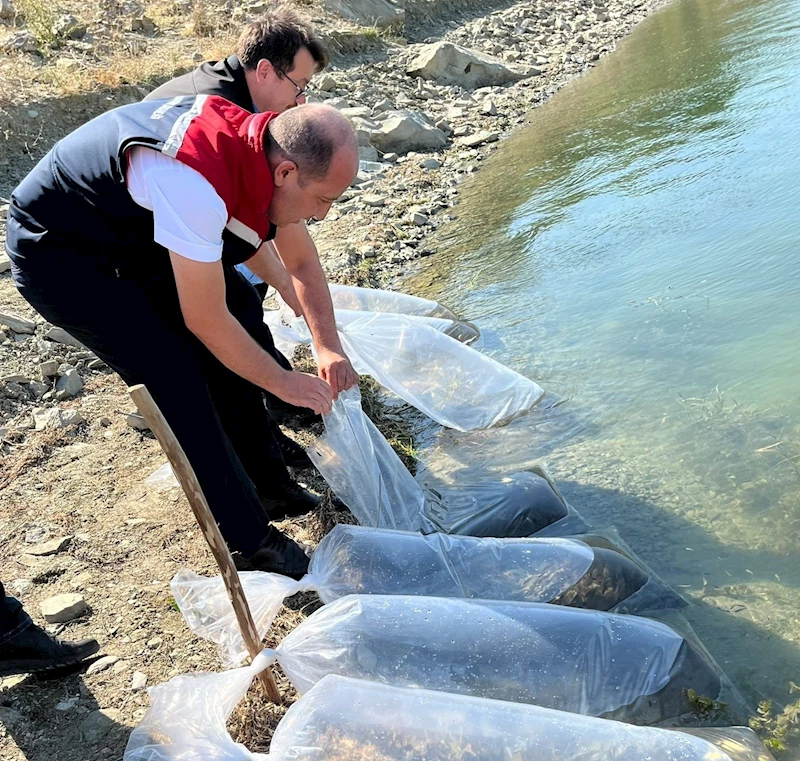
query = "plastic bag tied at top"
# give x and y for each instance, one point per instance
(343, 719)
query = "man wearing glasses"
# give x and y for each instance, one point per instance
(274, 62)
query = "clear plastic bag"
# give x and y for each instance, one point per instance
(343, 719)
(517, 505)
(364, 471)
(360, 560)
(368, 476)
(162, 479)
(376, 300)
(599, 664)
(451, 383)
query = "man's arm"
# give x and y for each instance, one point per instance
(267, 265)
(201, 290)
(299, 255)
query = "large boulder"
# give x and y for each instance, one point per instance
(379, 13)
(403, 131)
(451, 64)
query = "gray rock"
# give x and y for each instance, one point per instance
(60, 336)
(68, 704)
(67, 27)
(352, 112)
(134, 420)
(101, 664)
(5, 263)
(380, 13)
(7, 10)
(456, 65)
(367, 153)
(62, 608)
(15, 378)
(52, 547)
(38, 389)
(390, 158)
(17, 324)
(69, 384)
(96, 364)
(21, 42)
(55, 418)
(489, 107)
(49, 368)
(479, 138)
(326, 83)
(372, 199)
(430, 164)
(98, 724)
(383, 105)
(138, 681)
(404, 131)
(419, 219)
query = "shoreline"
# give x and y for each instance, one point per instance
(87, 482)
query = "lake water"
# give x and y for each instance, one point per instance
(635, 250)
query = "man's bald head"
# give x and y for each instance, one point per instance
(311, 136)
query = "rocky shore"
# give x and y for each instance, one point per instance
(78, 523)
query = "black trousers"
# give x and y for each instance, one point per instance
(13, 619)
(130, 317)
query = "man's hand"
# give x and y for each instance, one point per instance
(304, 390)
(335, 368)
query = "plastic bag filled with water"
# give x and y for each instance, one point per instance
(451, 383)
(343, 719)
(361, 560)
(600, 664)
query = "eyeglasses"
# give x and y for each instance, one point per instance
(301, 91)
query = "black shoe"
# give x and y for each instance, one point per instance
(277, 554)
(291, 501)
(33, 651)
(289, 415)
(293, 454)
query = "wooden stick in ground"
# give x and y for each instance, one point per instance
(197, 500)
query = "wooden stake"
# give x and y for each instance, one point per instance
(197, 500)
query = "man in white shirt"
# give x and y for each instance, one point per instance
(127, 235)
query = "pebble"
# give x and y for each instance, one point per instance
(51, 547)
(69, 385)
(134, 420)
(419, 219)
(62, 608)
(55, 418)
(17, 324)
(68, 704)
(60, 336)
(138, 681)
(489, 108)
(98, 724)
(374, 200)
(101, 664)
(430, 164)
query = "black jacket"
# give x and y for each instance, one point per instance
(224, 78)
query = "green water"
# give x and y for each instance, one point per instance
(635, 250)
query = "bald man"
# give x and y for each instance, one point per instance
(127, 235)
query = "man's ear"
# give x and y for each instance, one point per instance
(285, 172)
(263, 69)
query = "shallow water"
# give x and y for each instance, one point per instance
(637, 256)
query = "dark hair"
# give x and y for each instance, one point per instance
(277, 37)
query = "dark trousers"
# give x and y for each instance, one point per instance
(130, 317)
(13, 619)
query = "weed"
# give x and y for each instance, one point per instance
(774, 728)
(704, 707)
(40, 16)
